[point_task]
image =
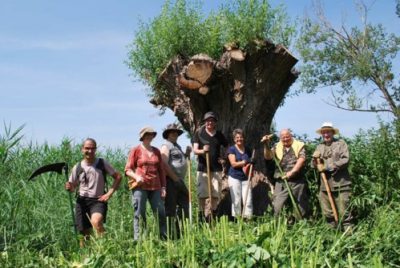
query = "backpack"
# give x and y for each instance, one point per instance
(99, 165)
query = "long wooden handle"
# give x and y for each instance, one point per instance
(189, 162)
(290, 193)
(248, 184)
(328, 190)
(209, 180)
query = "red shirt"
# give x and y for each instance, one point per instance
(149, 167)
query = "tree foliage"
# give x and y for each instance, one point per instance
(398, 7)
(182, 29)
(357, 60)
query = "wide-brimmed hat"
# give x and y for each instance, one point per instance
(169, 128)
(209, 115)
(146, 130)
(328, 125)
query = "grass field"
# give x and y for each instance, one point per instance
(36, 224)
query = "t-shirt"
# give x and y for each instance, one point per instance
(176, 160)
(149, 167)
(237, 173)
(91, 180)
(218, 140)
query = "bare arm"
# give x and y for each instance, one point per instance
(198, 151)
(165, 157)
(234, 163)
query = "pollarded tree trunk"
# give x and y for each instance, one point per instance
(244, 88)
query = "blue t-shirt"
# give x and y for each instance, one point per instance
(237, 173)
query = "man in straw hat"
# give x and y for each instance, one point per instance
(177, 199)
(207, 143)
(331, 158)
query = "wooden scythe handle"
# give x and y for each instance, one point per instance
(189, 163)
(328, 190)
(248, 183)
(209, 181)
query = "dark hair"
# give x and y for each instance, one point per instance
(236, 132)
(90, 139)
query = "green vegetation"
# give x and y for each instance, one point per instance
(182, 29)
(36, 227)
(360, 61)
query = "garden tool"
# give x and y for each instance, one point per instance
(57, 167)
(317, 158)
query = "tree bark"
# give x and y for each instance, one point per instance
(244, 88)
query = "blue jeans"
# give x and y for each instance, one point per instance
(139, 198)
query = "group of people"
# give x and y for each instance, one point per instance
(158, 176)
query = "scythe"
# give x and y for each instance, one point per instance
(59, 168)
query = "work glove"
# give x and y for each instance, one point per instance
(321, 167)
(316, 154)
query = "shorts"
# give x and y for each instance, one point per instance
(202, 184)
(85, 207)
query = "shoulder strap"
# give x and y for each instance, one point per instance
(79, 169)
(100, 165)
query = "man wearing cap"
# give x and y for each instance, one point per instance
(209, 140)
(291, 155)
(334, 154)
(177, 199)
(145, 170)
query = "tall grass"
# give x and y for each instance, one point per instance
(36, 226)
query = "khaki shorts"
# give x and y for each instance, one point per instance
(202, 184)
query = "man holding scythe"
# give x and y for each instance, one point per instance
(89, 177)
(207, 144)
(331, 159)
(289, 157)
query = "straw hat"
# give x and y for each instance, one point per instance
(169, 128)
(328, 125)
(146, 130)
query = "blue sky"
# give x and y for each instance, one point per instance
(62, 71)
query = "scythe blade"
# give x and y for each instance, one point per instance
(55, 167)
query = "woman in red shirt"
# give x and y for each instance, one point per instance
(145, 170)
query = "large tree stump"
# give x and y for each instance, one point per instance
(245, 88)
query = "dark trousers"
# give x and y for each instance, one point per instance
(300, 193)
(176, 205)
(342, 202)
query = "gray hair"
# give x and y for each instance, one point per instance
(90, 139)
(236, 132)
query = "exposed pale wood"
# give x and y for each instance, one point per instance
(199, 70)
(203, 90)
(188, 83)
(237, 54)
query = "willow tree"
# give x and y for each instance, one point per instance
(234, 61)
(355, 63)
